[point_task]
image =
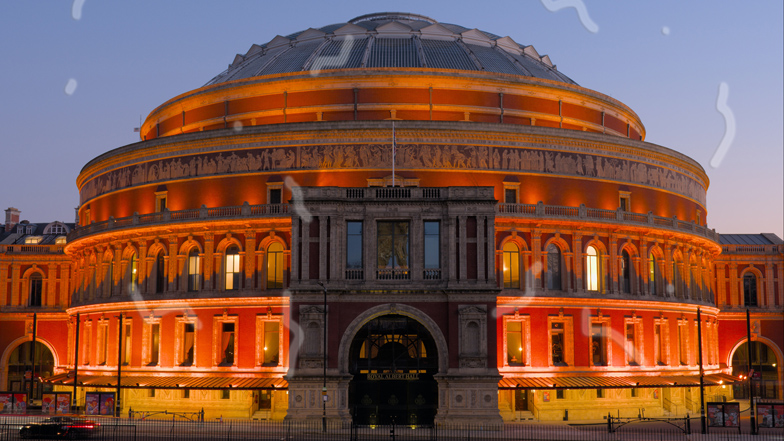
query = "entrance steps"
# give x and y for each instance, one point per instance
(261, 414)
(524, 415)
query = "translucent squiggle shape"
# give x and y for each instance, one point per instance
(729, 125)
(76, 9)
(579, 6)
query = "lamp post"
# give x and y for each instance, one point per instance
(703, 426)
(324, 365)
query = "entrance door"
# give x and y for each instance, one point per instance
(521, 399)
(393, 359)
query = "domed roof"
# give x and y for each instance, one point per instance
(391, 39)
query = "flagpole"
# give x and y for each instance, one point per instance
(393, 153)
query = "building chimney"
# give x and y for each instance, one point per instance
(11, 218)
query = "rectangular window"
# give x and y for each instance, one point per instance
(557, 345)
(393, 246)
(103, 343)
(194, 276)
(160, 201)
(186, 393)
(559, 394)
(598, 345)
(271, 344)
(188, 344)
(155, 343)
(625, 201)
(151, 393)
(635, 392)
(86, 337)
(275, 195)
(232, 271)
(227, 344)
(225, 394)
(631, 346)
(126, 355)
(515, 352)
(683, 344)
(510, 196)
(432, 250)
(599, 393)
(658, 342)
(354, 267)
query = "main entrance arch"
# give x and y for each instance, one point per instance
(393, 359)
(764, 363)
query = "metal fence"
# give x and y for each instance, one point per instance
(173, 429)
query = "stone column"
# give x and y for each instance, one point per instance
(462, 251)
(536, 252)
(250, 258)
(209, 250)
(15, 284)
(3, 285)
(735, 299)
(173, 266)
(65, 272)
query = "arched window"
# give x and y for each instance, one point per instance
(36, 288)
(653, 274)
(750, 289)
(511, 265)
(132, 274)
(194, 270)
(160, 273)
(108, 280)
(626, 272)
(275, 266)
(553, 267)
(591, 269)
(232, 268)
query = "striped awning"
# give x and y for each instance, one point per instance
(612, 382)
(207, 381)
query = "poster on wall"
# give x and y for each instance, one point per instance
(6, 402)
(64, 403)
(20, 403)
(55, 403)
(546, 397)
(770, 415)
(722, 414)
(99, 403)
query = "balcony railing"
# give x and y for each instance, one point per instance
(31, 249)
(597, 214)
(241, 211)
(750, 249)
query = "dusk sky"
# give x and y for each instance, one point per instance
(664, 59)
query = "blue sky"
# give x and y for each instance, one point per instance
(128, 57)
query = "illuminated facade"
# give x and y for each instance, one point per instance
(529, 255)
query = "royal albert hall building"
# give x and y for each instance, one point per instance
(416, 220)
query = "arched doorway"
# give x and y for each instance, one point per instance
(764, 363)
(393, 359)
(20, 367)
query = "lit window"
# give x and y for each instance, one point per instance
(232, 268)
(126, 354)
(553, 267)
(393, 256)
(653, 274)
(155, 343)
(33, 240)
(515, 343)
(275, 266)
(132, 275)
(194, 270)
(270, 343)
(432, 250)
(511, 265)
(36, 289)
(749, 289)
(354, 250)
(102, 343)
(591, 269)
(60, 240)
(659, 341)
(631, 345)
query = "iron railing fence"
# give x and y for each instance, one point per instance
(312, 430)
